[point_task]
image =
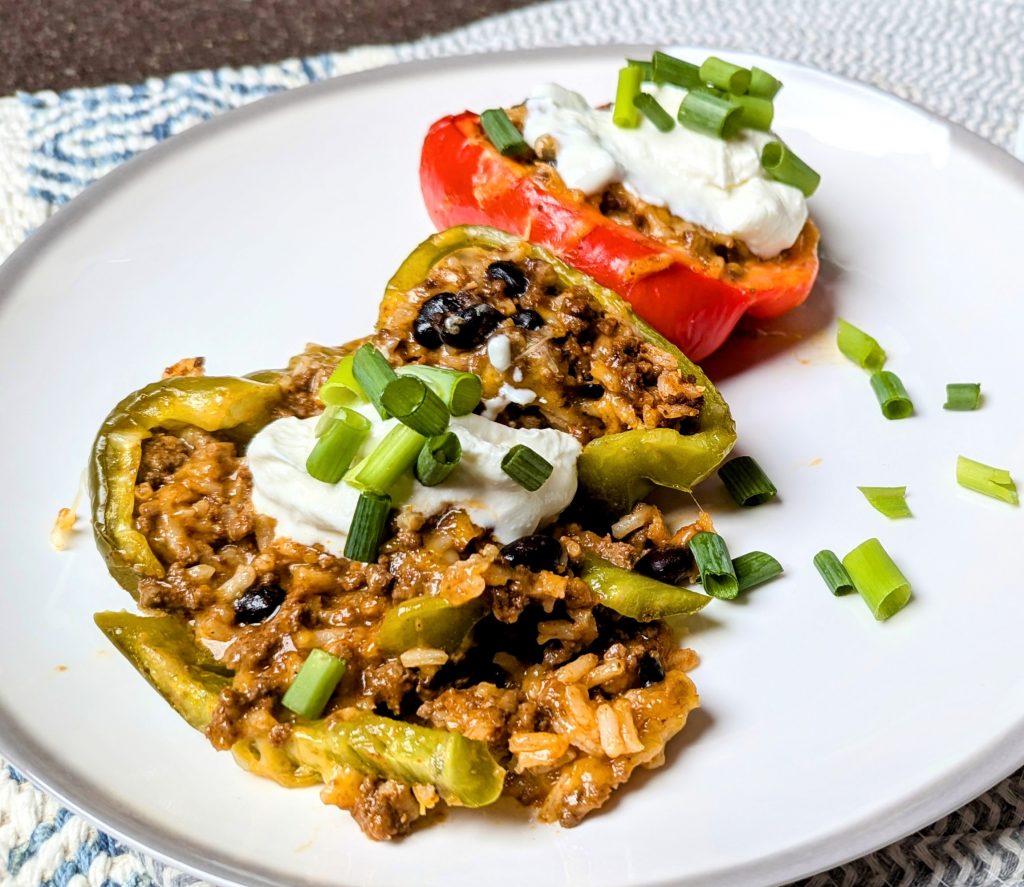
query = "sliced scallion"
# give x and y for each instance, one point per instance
(877, 579)
(526, 467)
(755, 112)
(313, 685)
(994, 482)
(461, 392)
(710, 114)
(373, 372)
(762, 84)
(962, 396)
(413, 403)
(892, 396)
(746, 481)
(725, 75)
(646, 68)
(337, 445)
(755, 568)
(624, 114)
(390, 459)
(648, 105)
(717, 573)
(861, 348)
(669, 69)
(438, 458)
(367, 529)
(503, 134)
(342, 388)
(781, 164)
(890, 501)
(833, 572)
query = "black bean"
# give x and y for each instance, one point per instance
(536, 552)
(436, 308)
(424, 332)
(590, 391)
(258, 604)
(469, 327)
(528, 319)
(671, 565)
(650, 671)
(516, 282)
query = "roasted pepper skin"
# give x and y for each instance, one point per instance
(428, 622)
(238, 406)
(636, 596)
(465, 181)
(617, 469)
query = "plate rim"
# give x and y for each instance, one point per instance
(816, 854)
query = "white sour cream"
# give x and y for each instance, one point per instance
(315, 513)
(718, 184)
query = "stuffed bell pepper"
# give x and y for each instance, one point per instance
(678, 197)
(421, 557)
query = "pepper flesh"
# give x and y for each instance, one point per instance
(636, 596)
(465, 180)
(428, 622)
(164, 651)
(617, 469)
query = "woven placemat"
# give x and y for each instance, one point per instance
(962, 60)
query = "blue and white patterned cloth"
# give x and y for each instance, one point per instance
(963, 59)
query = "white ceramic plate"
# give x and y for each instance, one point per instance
(823, 734)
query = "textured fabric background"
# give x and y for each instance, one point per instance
(963, 60)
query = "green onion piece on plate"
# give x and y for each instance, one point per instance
(784, 166)
(762, 84)
(367, 528)
(342, 388)
(438, 458)
(461, 392)
(503, 134)
(669, 69)
(708, 113)
(717, 573)
(984, 479)
(526, 467)
(624, 114)
(646, 68)
(755, 568)
(648, 106)
(833, 572)
(390, 459)
(373, 372)
(313, 685)
(413, 403)
(755, 112)
(892, 396)
(337, 444)
(877, 578)
(861, 348)
(890, 501)
(725, 75)
(962, 396)
(746, 481)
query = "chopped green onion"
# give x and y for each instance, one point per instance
(892, 396)
(526, 467)
(646, 68)
(746, 481)
(707, 113)
(367, 528)
(833, 572)
(877, 578)
(326, 420)
(623, 113)
(461, 392)
(755, 112)
(725, 75)
(962, 396)
(861, 348)
(313, 685)
(994, 482)
(668, 69)
(762, 84)
(390, 459)
(337, 445)
(413, 403)
(438, 458)
(784, 166)
(504, 134)
(342, 388)
(648, 106)
(755, 568)
(890, 501)
(373, 372)
(717, 573)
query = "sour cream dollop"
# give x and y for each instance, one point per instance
(315, 513)
(718, 184)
